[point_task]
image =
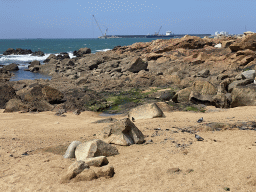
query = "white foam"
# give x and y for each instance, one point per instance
(22, 58)
(104, 50)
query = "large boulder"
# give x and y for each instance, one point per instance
(146, 111)
(94, 148)
(123, 132)
(42, 92)
(11, 67)
(241, 82)
(243, 97)
(202, 92)
(182, 95)
(18, 51)
(6, 93)
(250, 74)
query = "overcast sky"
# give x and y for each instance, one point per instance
(73, 19)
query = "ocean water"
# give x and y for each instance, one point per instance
(54, 46)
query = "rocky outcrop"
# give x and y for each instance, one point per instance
(123, 132)
(248, 42)
(18, 51)
(38, 53)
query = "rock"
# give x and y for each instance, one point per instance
(81, 52)
(202, 93)
(94, 148)
(108, 120)
(40, 105)
(243, 97)
(62, 56)
(105, 171)
(123, 132)
(173, 170)
(39, 92)
(146, 111)
(34, 69)
(38, 53)
(197, 98)
(73, 170)
(34, 63)
(6, 93)
(86, 175)
(218, 45)
(51, 56)
(9, 51)
(249, 42)
(15, 105)
(135, 65)
(182, 95)
(204, 73)
(18, 51)
(70, 152)
(11, 67)
(96, 161)
(164, 106)
(226, 44)
(204, 88)
(167, 95)
(234, 84)
(250, 74)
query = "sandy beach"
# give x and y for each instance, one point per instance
(223, 161)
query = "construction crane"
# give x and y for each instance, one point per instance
(159, 31)
(103, 35)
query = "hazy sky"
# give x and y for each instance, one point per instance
(73, 18)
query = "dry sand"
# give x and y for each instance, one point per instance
(223, 159)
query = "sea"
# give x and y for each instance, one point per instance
(54, 46)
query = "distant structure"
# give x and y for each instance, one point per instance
(222, 33)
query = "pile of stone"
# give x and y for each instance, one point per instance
(91, 157)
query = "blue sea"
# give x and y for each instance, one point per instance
(54, 46)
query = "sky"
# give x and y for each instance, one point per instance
(74, 18)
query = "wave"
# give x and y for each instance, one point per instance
(104, 50)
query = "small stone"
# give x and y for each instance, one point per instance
(26, 153)
(173, 170)
(105, 171)
(96, 161)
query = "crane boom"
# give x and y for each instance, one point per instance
(97, 25)
(159, 30)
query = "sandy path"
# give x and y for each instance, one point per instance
(228, 162)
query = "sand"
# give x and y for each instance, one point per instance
(225, 159)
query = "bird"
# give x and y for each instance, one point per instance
(198, 138)
(133, 119)
(200, 120)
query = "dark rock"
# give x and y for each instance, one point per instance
(167, 95)
(11, 67)
(38, 53)
(6, 93)
(81, 52)
(108, 120)
(18, 51)
(34, 63)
